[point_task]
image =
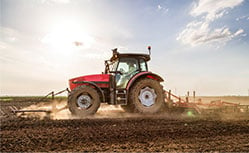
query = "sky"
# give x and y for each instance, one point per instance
(197, 45)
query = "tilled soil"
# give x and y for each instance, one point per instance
(130, 134)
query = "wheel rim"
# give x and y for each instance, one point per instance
(84, 101)
(147, 96)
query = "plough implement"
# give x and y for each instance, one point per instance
(22, 105)
(178, 104)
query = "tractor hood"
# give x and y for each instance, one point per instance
(101, 80)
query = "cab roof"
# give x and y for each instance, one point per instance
(116, 55)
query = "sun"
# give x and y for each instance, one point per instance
(68, 35)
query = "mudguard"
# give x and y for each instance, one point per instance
(141, 75)
(102, 96)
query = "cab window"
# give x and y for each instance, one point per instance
(143, 65)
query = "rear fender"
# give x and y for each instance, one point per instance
(143, 75)
(102, 96)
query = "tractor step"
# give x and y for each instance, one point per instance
(121, 96)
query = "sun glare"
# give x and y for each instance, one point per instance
(68, 36)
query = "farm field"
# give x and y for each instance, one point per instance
(124, 76)
(111, 129)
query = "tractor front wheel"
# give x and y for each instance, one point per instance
(83, 101)
(147, 96)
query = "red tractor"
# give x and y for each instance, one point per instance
(126, 82)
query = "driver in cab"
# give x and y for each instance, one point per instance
(126, 75)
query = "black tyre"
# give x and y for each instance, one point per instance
(147, 96)
(83, 101)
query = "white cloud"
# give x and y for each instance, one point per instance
(162, 9)
(199, 32)
(244, 34)
(159, 7)
(213, 8)
(242, 17)
(240, 31)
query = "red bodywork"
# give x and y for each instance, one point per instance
(142, 74)
(101, 80)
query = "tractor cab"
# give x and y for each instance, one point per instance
(125, 66)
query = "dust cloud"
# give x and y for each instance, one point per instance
(55, 110)
(58, 110)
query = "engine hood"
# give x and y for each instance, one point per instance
(100, 79)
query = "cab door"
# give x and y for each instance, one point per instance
(127, 68)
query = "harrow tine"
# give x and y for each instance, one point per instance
(13, 109)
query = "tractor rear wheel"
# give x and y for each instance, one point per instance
(147, 96)
(83, 101)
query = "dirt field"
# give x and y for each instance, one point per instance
(125, 133)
